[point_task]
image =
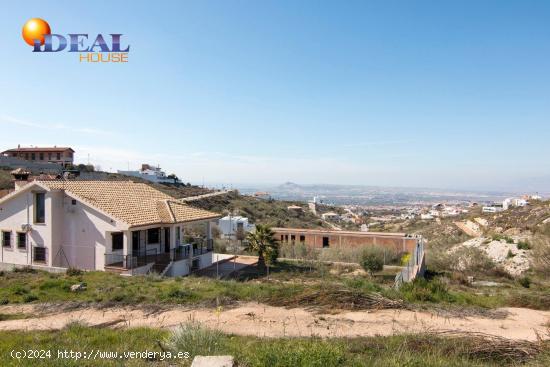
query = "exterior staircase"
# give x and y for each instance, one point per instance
(161, 264)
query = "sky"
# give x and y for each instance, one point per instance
(446, 94)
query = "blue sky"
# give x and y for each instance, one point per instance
(400, 93)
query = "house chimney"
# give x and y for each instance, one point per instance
(20, 177)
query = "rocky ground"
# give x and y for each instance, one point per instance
(502, 252)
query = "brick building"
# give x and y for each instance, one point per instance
(321, 238)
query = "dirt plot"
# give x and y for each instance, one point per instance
(255, 319)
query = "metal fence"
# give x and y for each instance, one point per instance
(414, 265)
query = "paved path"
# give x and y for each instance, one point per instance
(226, 268)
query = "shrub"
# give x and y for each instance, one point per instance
(422, 290)
(29, 298)
(510, 254)
(180, 294)
(372, 260)
(469, 260)
(24, 269)
(541, 255)
(191, 337)
(73, 271)
(525, 282)
(19, 290)
(523, 245)
(4, 301)
(300, 353)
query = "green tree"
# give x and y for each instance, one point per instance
(372, 260)
(263, 241)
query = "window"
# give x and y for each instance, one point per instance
(292, 238)
(118, 241)
(41, 155)
(302, 238)
(33, 156)
(58, 156)
(153, 235)
(40, 207)
(49, 156)
(39, 254)
(326, 242)
(21, 240)
(27, 156)
(6, 239)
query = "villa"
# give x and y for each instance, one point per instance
(119, 226)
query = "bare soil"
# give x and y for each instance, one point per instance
(255, 319)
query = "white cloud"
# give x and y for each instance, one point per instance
(16, 121)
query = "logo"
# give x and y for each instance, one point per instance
(96, 49)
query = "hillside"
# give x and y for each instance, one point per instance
(272, 212)
(5, 179)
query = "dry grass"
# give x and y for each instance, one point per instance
(484, 347)
(341, 299)
(541, 255)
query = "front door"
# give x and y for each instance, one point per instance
(135, 242)
(166, 239)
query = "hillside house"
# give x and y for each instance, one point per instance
(493, 208)
(120, 226)
(232, 225)
(63, 156)
(331, 216)
(152, 174)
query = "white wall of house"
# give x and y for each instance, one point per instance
(74, 235)
(205, 260)
(228, 225)
(20, 211)
(179, 268)
(85, 234)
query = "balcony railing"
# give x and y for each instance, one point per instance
(180, 253)
(195, 246)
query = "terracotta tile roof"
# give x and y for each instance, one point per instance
(136, 204)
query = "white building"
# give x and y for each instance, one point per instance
(510, 202)
(232, 224)
(493, 208)
(119, 226)
(150, 173)
(331, 216)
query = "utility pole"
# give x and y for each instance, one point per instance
(217, 267)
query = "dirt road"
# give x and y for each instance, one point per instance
(262, 320)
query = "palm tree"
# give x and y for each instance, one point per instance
(263, 241)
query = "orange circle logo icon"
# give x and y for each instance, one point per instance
(35, 29)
